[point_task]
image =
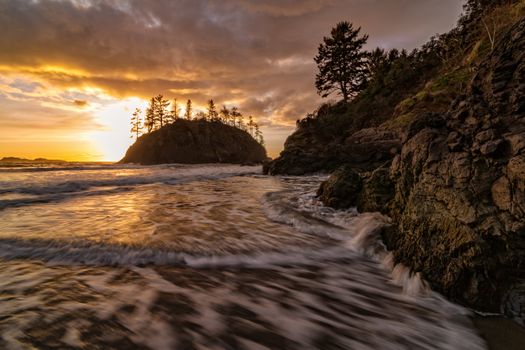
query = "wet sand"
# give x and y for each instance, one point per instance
(500, 333)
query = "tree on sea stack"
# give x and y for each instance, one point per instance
(188, 113)
(175, 111)
(342, 62)
(225, 115)
(161, 110)
(136, 123)
(149, 121)
(212, 111)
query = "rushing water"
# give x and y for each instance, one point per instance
(202, 257)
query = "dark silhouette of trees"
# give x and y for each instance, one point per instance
(225, 115)
(259, 135)
(149, 122)
(212, 111)
(251, 125)
(136, 123)
(201, 116)
(235, 115)
(161, 110)
(188, 113)
(159, 114)
(376, 61)
(342, 62)
(175, 111)
(238, 118)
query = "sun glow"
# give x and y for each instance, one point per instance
(113, 138)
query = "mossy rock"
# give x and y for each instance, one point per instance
(342, 189)
(378, 190)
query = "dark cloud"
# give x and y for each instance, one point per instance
(256, 53)
(80, 103)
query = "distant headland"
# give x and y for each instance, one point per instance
(22, 160)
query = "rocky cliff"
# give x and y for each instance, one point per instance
(459, 187)
(195, 142)
(456, 189)
(449, 168)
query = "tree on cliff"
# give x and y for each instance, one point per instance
(136, 123)
(376, 61)
(342, 62)
(188, 113)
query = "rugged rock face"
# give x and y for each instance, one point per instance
(195, 142)
(457, 188)
(306, 152)
(460, 181)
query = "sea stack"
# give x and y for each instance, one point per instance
(196, 142)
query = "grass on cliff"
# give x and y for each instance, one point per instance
(454, 77)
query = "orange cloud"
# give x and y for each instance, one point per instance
(62, 62)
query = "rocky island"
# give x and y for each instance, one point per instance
(436, 141)
(195, 142)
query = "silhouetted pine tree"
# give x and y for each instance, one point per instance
(212, 111)
(175, 111)
(189, 112)
(235, 115)
(161, 110)
(251, 125)
(342, 62)
(149, 122)
(225, 115)
(136, 123)
(258, 135)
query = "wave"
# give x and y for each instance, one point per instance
(59, 186)
(63, 252)
(360, 233)
(356, 234)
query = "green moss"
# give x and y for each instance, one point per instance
(401, 121)
(406, 104)
(451, 81)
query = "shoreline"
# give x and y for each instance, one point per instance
(499, 333)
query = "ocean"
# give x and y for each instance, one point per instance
(101, 256)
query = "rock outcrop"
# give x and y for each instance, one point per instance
(307, 152)
(460, 180)
(456, 190)
(195, 142)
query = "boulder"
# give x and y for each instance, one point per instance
(341, 189)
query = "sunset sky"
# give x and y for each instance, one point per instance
(72, 71)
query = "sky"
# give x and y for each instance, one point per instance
(73, 71)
